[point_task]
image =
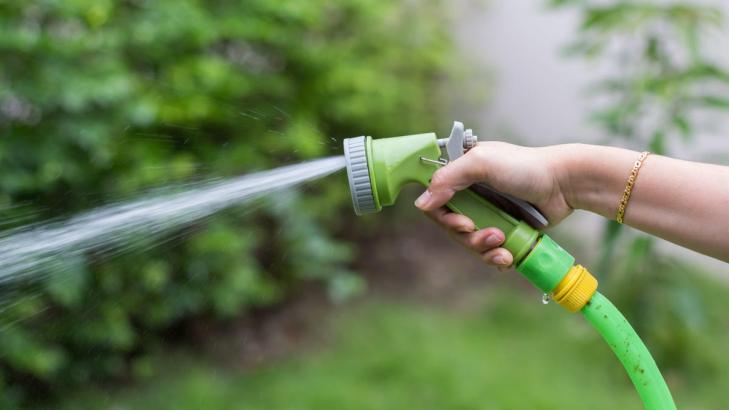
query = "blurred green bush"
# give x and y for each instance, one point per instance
(101, 100)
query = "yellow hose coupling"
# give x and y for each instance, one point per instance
(575, 289)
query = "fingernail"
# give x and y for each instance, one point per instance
(498, 260)
(468, 228)
(492, 240)
(423, 199)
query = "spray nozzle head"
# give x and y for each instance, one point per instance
(377, 169)
(358, 173)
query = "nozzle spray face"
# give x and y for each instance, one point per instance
(358, 173)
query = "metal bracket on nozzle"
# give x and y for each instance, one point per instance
(439, 161)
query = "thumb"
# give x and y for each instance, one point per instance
(456, 176)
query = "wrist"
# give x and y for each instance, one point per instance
(567, 163)
(592, 177)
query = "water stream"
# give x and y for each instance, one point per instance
(33, 251)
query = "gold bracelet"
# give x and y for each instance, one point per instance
(629, 186)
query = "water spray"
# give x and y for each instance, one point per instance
(378, 169)
(29, 253)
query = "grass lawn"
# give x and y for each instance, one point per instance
(504, 351)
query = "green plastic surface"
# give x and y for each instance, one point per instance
(519, 235)
(631, 351)
(395, 162)
(546, 265)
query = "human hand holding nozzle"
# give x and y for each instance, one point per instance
(527, 173)
(681, 201)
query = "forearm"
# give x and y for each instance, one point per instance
(684, 202)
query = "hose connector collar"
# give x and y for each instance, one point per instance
(575, 289)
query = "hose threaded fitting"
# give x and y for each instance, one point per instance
(575, 289)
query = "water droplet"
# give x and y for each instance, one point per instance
(546, 298)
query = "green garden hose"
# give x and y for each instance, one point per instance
(630, 350)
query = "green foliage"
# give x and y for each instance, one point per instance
(390, 355)
(102, 100)
(661, 79)
(666, 302)
(660, 75)
(510, 352)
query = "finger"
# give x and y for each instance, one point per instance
(498, 257)
(446, 181)
(481, 241)
(451, 220)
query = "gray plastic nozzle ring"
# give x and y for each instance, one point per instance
(355, 156)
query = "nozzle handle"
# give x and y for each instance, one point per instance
(541, 260)
(520, 236)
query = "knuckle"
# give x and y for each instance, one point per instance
(473, 241)
(439, 180)
(462, 223)
(451, 218)
(494, 232)
(478, 153)
(477, 160)
(490, 231)
(487, 260)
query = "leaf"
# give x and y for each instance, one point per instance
(683, 13)
(611, 233)
(344, 286)
(691, 38)
(639, 250)
(698, 73)
(711, 71)
(714, 102)
(67, 283)
(653, 51)
(565, 3)
(589, 48)
(658, 143)
(618, 16)
(683, 125)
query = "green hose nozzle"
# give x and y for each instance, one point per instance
(379, 168)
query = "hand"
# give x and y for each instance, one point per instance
(532, 174)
